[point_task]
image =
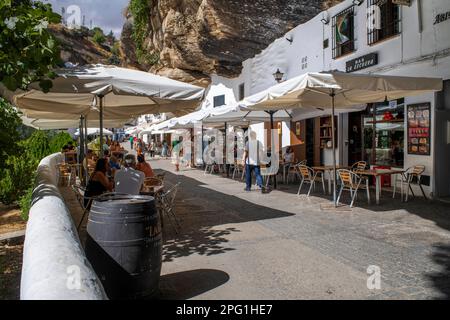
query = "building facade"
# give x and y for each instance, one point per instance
(389, 37)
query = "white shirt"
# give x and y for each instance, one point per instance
(128, 181)
(254, 150)
(289, 157)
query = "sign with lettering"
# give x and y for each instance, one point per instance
(402, 2)
(363, 62)
(441, 17)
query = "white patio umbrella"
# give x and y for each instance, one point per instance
(48, 124)
(110, 92)
(335, 90)
(96, 132)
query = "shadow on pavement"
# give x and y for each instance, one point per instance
(441, 279)
(201, 211)
(435, 211)
(189, 284)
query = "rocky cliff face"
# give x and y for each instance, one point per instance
(77, 46)
(195, 38)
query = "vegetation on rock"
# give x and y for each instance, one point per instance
(140, 11)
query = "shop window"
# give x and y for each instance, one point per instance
(241, 91)
(386, 20)
(343, 33)
(219, 101)
(388, 126)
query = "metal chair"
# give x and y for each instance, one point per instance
(309, 175)
(239, 167)
(165, 203)
(410, 174)
(352, 182)
(267, 173)
(161, 176)
(209, 168)
(359, 166)
(293, 170)
(152, 181)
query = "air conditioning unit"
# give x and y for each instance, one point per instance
(402, 2)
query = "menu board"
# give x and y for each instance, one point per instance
(419, 129)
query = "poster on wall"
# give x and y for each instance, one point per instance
(419, 129)
(297, 128)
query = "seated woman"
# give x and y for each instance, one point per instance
(289, 155)
(144, 166)
(98, 182)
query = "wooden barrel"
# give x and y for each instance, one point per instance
(124, 245)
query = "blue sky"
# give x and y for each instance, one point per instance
(106, 14)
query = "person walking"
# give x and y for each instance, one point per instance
(165, 149)
(131, 142)
(152, 149)
(252, 156)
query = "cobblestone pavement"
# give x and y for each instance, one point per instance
(283, 246)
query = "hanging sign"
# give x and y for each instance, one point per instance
(363, 62)
(402, 2)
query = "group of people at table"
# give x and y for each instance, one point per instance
(114, 171)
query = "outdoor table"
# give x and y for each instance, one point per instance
(329, 169)
(377, 174)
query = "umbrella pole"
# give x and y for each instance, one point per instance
(81, 148)
(226, 151)
(272, 145)
(101, 126)
(86, 170)
(334, 146)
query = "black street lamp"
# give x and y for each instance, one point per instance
(278, 76)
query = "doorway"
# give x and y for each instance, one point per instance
(310, 142)
(355, 138)
(442, 142)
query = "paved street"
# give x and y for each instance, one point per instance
(238, 245)
(248, 245)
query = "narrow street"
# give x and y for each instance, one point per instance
(238, 245)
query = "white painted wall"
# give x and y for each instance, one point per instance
(412, 53)
(53, 258)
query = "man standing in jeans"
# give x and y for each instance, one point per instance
(252, 156)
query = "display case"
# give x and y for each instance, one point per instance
(384, 134)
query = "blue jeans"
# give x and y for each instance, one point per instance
(248, 175)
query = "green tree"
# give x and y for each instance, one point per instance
(37, 146)
(58, 141)
(28, 52)
(9, 135)
(98, 36)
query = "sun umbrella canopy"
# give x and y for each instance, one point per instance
(125, 94)
(233, 114)
(49, 124)
(350, 89)
(96, 132)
